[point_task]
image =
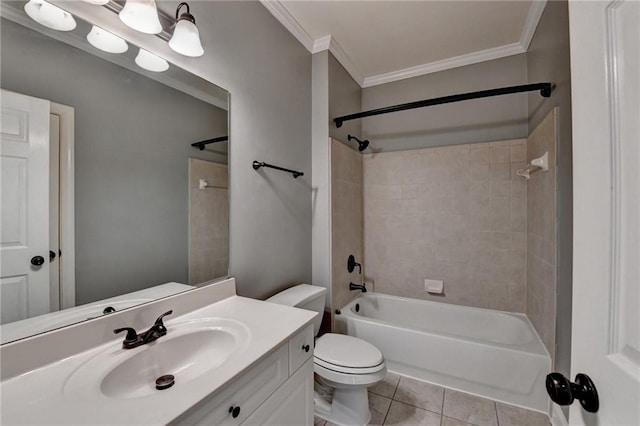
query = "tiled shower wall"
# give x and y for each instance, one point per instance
(541, 234)
(346, 220)
(456, 214)
(208, 221)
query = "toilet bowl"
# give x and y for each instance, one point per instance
(345, 366)
(348, 365)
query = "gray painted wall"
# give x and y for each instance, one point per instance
(321, 183)
(268, 73)
(480, 120)
(345, 97)
(334, 93)
(548, 60)
(131, 168)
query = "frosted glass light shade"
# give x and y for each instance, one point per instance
(186, 39)
(151, 62)
(49, 15)
(98, 2)
(141, 15)
(105, 41)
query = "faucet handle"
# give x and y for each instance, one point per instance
(159, 324)
(131, 337)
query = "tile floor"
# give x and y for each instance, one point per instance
(400, 400)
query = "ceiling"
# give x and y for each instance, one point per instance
(382, 41)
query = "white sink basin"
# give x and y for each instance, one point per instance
(188, 351)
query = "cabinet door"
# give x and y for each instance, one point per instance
(292, 404)
(244, 394)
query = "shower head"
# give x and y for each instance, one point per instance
(362, 145)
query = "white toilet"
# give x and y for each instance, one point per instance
(345, 366)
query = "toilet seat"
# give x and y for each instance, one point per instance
(348, 360)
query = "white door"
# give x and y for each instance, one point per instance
(605, 76)
(54, 211)
(24, 208)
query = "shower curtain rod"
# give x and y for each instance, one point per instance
(544, 88)
(201, 144)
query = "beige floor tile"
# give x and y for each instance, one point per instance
(387, 387)
(421, 394)
(469, 408)
(448, 421)
(407, 415)
(378, 405)
(508, 415)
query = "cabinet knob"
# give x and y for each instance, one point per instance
(235, 411)
(306, 348)
(564, 392)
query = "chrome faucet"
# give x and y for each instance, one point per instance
(360, 287)
(133, 339)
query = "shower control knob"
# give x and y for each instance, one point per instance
(563, 392)
(37, 260)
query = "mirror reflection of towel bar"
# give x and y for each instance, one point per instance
(537, 164)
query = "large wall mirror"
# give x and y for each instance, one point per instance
(106, 203)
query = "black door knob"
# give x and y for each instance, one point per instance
(563, 392)
(52, 255)
(37, 260)
(235, 411)
(306, 348)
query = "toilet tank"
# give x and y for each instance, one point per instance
(303, 296)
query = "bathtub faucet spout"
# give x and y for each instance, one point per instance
(360, 287)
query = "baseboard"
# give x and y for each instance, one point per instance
(557, 416)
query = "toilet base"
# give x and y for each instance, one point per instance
(348, 407)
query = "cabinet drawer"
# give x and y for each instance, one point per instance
(247, 392)
(300, 348)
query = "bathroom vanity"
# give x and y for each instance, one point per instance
(235, 361)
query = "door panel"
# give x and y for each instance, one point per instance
(24, 170)
(54, 211)
(605, 71)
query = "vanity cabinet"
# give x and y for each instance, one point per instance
(278, 390)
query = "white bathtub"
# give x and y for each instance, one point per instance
(493, 354)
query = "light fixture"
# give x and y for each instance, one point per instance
(186, 38)
(106, 41)
(151, 62)
(50, 16)
(141, 15)
(97, 2)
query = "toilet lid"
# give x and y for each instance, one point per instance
(347, 351)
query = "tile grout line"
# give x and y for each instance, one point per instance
(394, 394)
(387, 413)
(395, 390)
(444, 391)
(419, 408)
(495, 407)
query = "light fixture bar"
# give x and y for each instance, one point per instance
(166, 21)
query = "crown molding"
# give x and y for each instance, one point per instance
(285, 17)
(445, 64)
(321, 44)
(328, 42)
(530, 25)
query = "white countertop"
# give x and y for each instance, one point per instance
(39, 397)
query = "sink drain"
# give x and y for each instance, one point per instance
(165, 382)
